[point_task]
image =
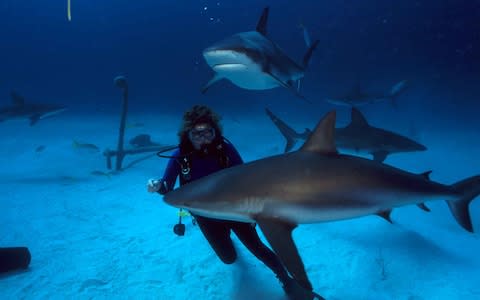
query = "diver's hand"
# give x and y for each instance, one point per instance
(153, 185)
(159, 186)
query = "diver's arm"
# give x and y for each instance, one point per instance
(171, 173)
(167, 182)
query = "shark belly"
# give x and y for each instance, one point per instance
(249, 77)
(345, 204)
(240, 69)
(223, 215)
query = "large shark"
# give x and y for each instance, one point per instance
(19, 109)
(314, 184)
(357, 97)
(358, 136)
(250, 60)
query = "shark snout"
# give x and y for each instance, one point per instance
(214, 56)
(421, 147)
(418, 147)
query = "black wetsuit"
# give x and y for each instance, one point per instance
(216, 231)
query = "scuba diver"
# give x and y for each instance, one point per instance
(202, 151)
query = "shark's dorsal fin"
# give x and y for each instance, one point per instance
(358, 119)
(322, 139)
(386, 215)
(17, 99)
(262, 22)
(426, 174)
(380, 156)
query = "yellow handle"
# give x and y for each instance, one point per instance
(183, 213)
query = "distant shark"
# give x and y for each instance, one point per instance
(252, 61)
(358, 136)
(314, 184)
(32, 111)
(357, 97)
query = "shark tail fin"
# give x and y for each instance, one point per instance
(288, 133)
(470, 189)
(308, 54)
(396, 90)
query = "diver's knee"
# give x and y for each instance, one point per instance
(228, 259)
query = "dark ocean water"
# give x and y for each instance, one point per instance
(158, 45)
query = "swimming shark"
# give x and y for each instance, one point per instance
(311, 185)
(358, 136)
(251, 61)
(357, 97)
(19, 109)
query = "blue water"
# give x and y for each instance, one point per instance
(157, 45)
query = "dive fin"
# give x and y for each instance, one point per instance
(279, 235)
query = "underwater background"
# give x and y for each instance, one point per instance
(98, 235)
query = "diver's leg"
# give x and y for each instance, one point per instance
(249, 237)
(217, 234)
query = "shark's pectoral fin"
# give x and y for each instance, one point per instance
(34, 119)
(279, 235)
(386, 215)
(288, 85)
(214, 79)
(380, 156)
